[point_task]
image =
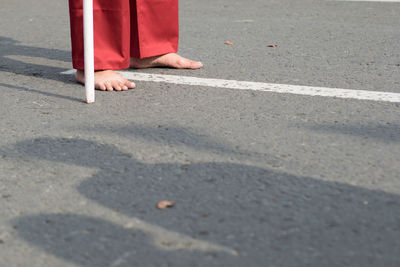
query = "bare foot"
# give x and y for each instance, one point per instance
(106, 80)
(171, 60)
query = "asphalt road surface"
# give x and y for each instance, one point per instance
(258, 178)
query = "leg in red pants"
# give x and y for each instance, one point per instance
(127, 33)
(125, 29)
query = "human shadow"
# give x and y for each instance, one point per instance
(270, 218)
(383, 132)
(94, 242)
(180, 136)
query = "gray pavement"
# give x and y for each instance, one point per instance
(258, 179)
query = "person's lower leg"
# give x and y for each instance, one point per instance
(112, 42)
(155, 35)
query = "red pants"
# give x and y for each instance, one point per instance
(124, 29)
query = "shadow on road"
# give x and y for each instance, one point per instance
(387, 133)
(24, 89)
(181, 136)
(10, 47)
(270, 218)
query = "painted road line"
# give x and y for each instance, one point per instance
(264, 87)
(68, 72)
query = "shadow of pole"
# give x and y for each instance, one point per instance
(10, 47)
(23, 89)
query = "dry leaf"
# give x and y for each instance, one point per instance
(228, 43)
(272, 45)
(165, 204)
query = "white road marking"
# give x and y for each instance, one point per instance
(68, 72)
(264, 87)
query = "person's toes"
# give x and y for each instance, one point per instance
(123, 86)
(182, 63)
(109, 86)
(185, 63)
(100, 86)
(190, 64)
(116, 86)
(130, 84)
(196, 65)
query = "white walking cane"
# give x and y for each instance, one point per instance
(89, 49)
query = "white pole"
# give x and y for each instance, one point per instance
(89, 49)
